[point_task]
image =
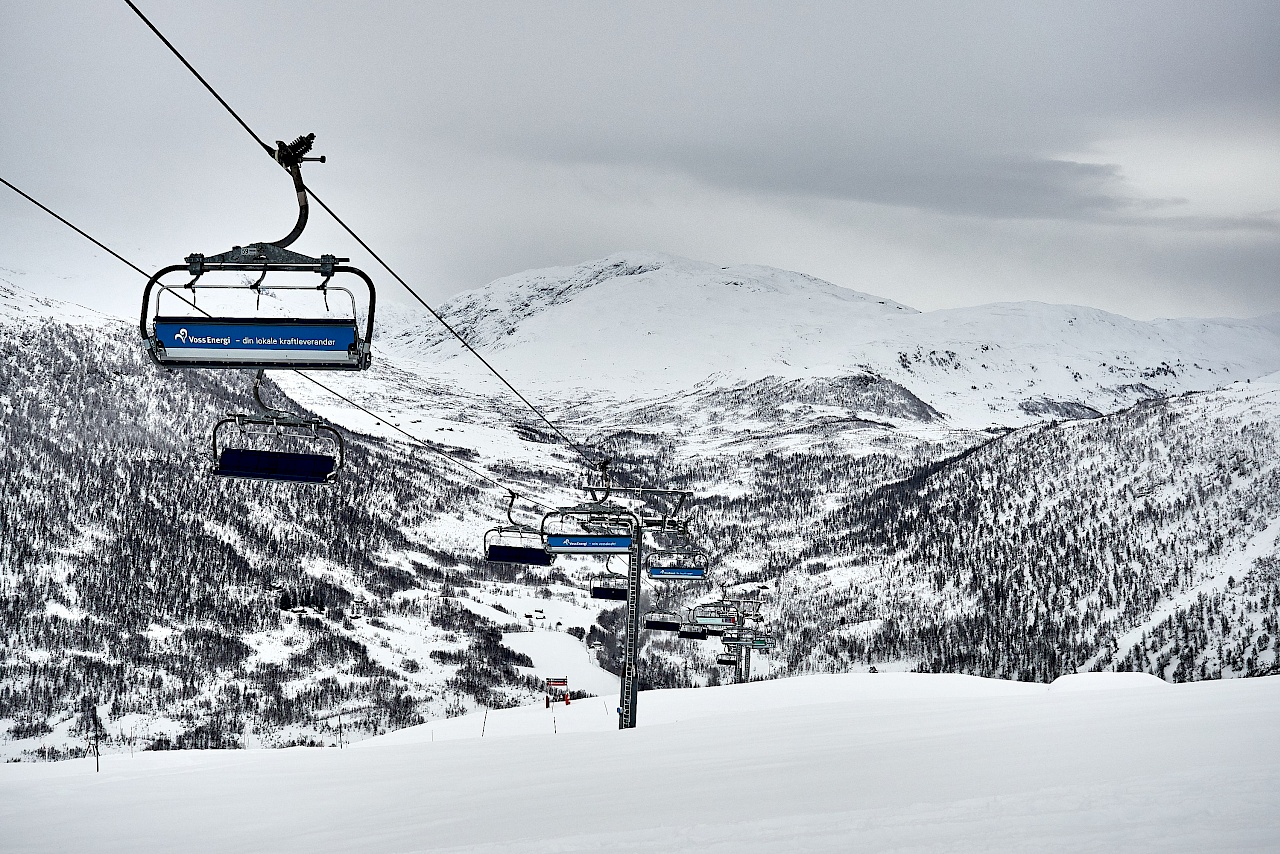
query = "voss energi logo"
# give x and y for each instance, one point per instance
(181, 335)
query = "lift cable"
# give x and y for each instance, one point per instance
(592, 461)
(271, 151)
(78, 230)
(385, 422)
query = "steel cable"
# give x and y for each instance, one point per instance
(591, 461)
(384, 421)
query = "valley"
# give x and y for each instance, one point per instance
(1014, 491)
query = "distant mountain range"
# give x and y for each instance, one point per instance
(637, 324)
(1016, 490)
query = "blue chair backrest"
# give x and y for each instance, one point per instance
(275, 465)
(518, 554)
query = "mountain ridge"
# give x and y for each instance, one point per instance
(643, 325)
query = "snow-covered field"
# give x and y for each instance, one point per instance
(855, 762)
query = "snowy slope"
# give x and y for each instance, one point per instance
(639, 324)
(17, 304)
(808, 765)
(883, 524)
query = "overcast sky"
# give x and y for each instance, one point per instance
(1121, 155)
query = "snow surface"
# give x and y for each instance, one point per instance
(557, 654)
(907, 762)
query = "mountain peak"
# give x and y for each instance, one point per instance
(653, 289)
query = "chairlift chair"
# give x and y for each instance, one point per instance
(726, 659)
(276, 425)
(516, 543)
(719, 614)
(248, 339)
(279, 466)
(502, 545)
(677, 565)
(662, 621)
(589, 529)
(689, 631)
(749, 638)
(609, 586)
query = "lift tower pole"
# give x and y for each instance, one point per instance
(631, 642)
(607, 521)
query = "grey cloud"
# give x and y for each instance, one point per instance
(470, 140)
(1266, 223)
(938, 181)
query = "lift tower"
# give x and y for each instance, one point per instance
(612, 528)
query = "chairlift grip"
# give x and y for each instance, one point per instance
(291, 156)
(257, 395)
(511, 503)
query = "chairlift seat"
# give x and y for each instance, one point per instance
(276, 465)
(254, 341)
(726, 658)
(717, 614)
(717, 620)
(678, 565)
(693, 632)
(608, 586)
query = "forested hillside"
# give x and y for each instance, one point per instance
(140, 588)
(171, 608)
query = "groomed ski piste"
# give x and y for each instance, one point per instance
(824, 763)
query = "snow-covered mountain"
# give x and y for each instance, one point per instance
(638, 324)
(1017, 490)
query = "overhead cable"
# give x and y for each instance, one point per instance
(192, 69)
(384, 421)
(591, 460)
